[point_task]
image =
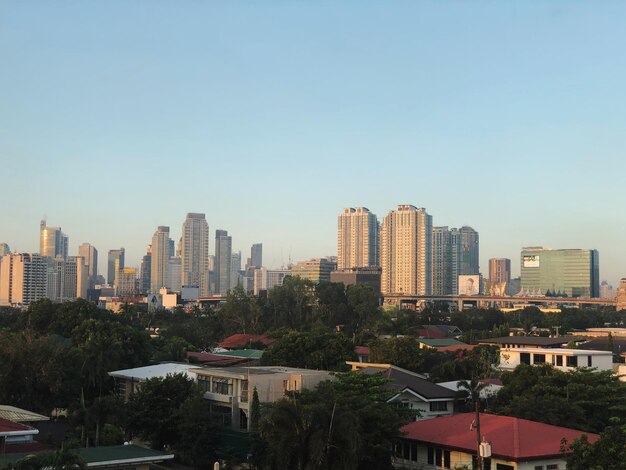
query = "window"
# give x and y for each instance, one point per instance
(244, 391)
(524, 358)
(552, 466)
(588, 361)
(222, 386)
(414, 451)
(438, 457)
(438, 406)
(572, 361)
(559, 361)
(538, 467)
(486, 463)
(539, 358)
(204, 383)
(502, 466)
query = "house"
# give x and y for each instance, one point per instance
(448, 331)
(229, 390)
(127, 457)
(450, 442)
(19, 415)
(237, 357)
(438, 343)
(17, 437)
(242, 341)
(493, 386)
(510, 342)
(562, 359)
(128, 381)
(413, 391)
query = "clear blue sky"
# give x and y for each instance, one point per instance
(271, 116)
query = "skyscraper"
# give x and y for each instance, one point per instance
(442, 261)
(256, 255)
(469, 251)
(406, 251)
(195, 252)
(223, 260)
(114, 255)
(23, 278)
(357, 239)
(4, 249)
(235, 269)
(146, 268)
(53, 243)
(500, 270)
(160, 259)
(90, 256)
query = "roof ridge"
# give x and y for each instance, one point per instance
(516, 443)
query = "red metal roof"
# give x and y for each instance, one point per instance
(7, 427)
(26, 447)
(362, 350)
(240, 341)
(429, 334)
(510, 438)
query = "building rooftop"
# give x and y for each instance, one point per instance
(241, 341)
(255, 370)
(242, 353)
(401, 379)
(510, 438)
(11, 428)
(567, 352)
(436, 343)
(149, 372)
(531, 340)
(19, 415)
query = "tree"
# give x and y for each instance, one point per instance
(608, 453)
(240, 313)
(62, 459)
(401, 352)
(473, 388)
(197, 438)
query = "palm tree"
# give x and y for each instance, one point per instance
(62, 459)
(473, 388)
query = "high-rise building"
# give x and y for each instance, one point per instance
(442, 262)
(195, 252)
(23, 278)
(160, 259)
(569, 272)
(357, 239)
(4, 249)
(266, 279)
(406, 251)
(500, 270)
(146, 267)
(316, 269)
(469, 263)
(114, 255)
(67, 279)
(90, 255)
(126, 282)
(175, 273)
(53, 243)
(256, 255)
(235, 269)
(223, 260)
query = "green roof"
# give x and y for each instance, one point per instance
(248, 353)
(437, 343)
(106, 455)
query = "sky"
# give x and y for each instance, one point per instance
(272, 116)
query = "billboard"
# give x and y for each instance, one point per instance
(530, 261)
(495, 289)
(469, 284)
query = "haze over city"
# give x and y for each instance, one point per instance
(119, 117)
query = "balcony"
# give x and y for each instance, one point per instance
(218, 397)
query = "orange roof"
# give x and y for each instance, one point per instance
(239, 341)
(510, 438)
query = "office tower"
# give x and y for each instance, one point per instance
(223, 259)
(172, 248)
(67, 279)
(469, 251)
(53, 243)
(22, 278)
(235, 269)
(4, 249)
(500, 270)
(256, 255)
(146, 267)
(195, 252)
(442, 262)
(357, 240)
(126, 282)
(316, 269)
(266, 279)
(114, 255)
(607, 291)
(160, 259)
(406, 251)
(212, 275)
(175, 273)
(570, 272)
(90, 255)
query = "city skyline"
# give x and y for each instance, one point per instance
(517, 135)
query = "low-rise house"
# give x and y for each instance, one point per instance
(562, 359)
(17, 437)
(450, 442)
(229, 390)
(362, 353)
(412, 391)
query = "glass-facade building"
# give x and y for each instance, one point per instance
(570, 272)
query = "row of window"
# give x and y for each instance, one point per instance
(557, 360)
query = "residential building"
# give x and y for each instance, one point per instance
(53, 243)
(23, 278)
(114, 255)
(235, 270)
(411, 390)
(426, 343)
(128, 381)
(256, 255)
(89, 253)
(406, 251)
(542, 342)
(146, 271)
(67, 279)
(562, 359)
(175, 273)
(223, 261)
(442, 262)
(568, 272)
(316, 269)
(469, 262)
(266, 279)
(513, 443)
(159, 276)
(357, 239)
(195, 252)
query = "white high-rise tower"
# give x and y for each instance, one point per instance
(195, 252)
(357, 239)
